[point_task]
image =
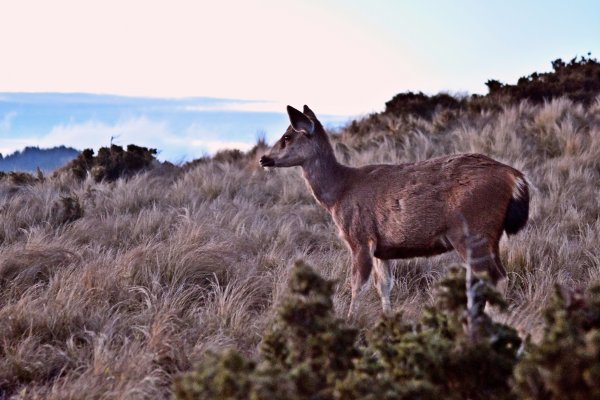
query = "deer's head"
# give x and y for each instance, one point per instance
(299, 143)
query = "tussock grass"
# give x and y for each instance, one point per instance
(163, 266)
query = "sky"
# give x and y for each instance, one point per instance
(180, 129)
(343, 58)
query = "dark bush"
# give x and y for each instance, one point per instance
(579, 80)
(112, 162)
(305, 352)
(566, 363)
(309, 354)
(441, 356)
(20, 178)
(245, 159)
(421, 105)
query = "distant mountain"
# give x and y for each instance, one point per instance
(30, 158)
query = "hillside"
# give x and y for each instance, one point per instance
(31, 158)
(110, 288)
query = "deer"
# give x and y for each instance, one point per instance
(397, 211)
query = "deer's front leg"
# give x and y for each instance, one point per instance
(362, 263)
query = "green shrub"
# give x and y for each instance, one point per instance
(306, 351)
(310, 354)
(454, 352)
(439, 357)
(566, 363)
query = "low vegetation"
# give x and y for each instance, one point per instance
(114, 284)
(453, 352)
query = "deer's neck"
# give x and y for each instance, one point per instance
(326, 178)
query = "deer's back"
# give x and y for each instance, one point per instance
(411, 206)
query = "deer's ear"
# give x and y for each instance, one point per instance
(300, 122)
(309, 113)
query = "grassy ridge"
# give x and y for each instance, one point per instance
(159, 268)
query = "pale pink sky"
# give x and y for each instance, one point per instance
(287, 51)
(342, 57)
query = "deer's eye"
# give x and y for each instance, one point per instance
(287, 138)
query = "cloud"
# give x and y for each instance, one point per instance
(10, 145)
(245, 106)
(190, 143)
(94, 134)
(6, 121)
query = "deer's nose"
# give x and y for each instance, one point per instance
(266, 161)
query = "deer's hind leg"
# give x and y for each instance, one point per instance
(500, 272)
(481, 252)
(382, 279)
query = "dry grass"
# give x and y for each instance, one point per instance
(156, 270)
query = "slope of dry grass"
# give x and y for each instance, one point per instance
(176, 261)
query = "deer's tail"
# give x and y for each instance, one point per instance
(518, 207)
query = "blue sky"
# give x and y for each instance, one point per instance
(181, 129)
(344, 58)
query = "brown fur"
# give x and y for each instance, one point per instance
(406, 210)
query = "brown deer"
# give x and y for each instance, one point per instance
(386, 212)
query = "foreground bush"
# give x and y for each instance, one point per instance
(446, 355)
(305, 353)
(454, 352)
(566, 363)
(310, 354)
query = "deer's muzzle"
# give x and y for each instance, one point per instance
(266, 162)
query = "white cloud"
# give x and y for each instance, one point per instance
(94, 134)
(142, 131)
(246, 106)
(6, 121)
(8, 146)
